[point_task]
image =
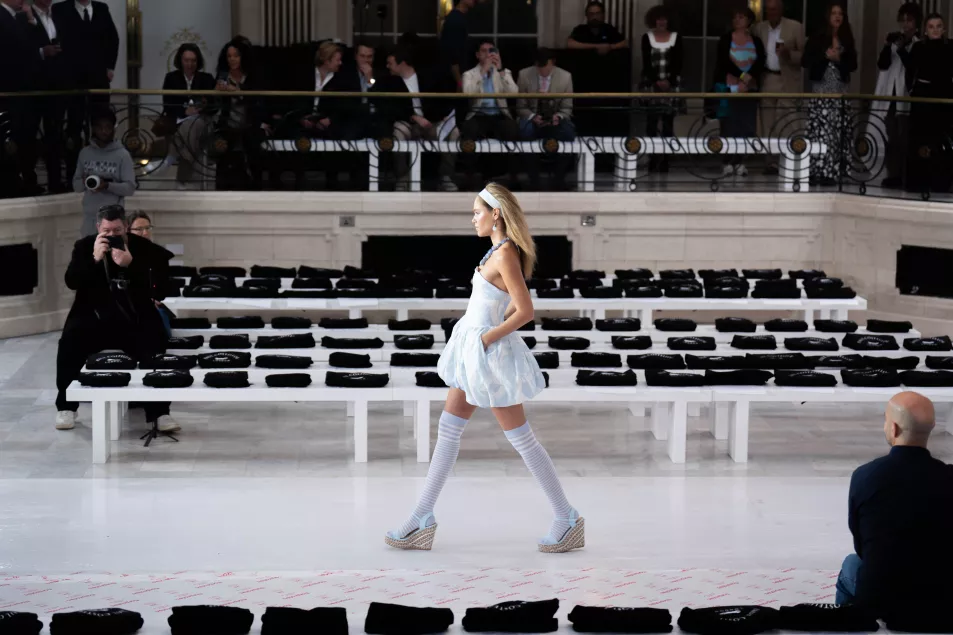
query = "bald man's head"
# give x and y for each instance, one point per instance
(909, 420)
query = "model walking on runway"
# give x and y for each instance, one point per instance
(486, 364)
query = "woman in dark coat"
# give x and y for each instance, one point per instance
(185, 111)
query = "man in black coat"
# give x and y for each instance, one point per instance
(18, 66)
(116, 291)
(90, 43)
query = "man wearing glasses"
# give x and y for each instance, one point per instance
(596, 34)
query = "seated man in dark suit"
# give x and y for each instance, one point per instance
(901, 517)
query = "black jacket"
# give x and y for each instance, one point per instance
(337, 109)
(401, 109)
(815, 59)
(96, 303)
(51, 72)
(19, 58)
(673, 59)
(174, 105)
(725, 66)
(91, 49)
(929, 69)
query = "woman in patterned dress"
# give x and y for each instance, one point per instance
(661, 73)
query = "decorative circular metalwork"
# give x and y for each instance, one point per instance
(551, 146)
(633, 145)
(715, 145)
(10, 148)
(219, 145)
(132, 142)
(863, 190)
(303, 144)
(862, 148)
(798, 145)
(386, 144)
(924, 152)
(633, 186)
(468, 146)
(797, 186)
(715, 186)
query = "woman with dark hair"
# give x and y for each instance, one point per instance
(661, 73)
(830, 56)
(738, 68)
(182, 113)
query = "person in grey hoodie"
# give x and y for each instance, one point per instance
(108, 159)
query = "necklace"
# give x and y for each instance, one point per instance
(492, 249)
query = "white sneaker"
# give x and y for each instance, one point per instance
(65, 420)
(728, 170)
(168, 424)
(447, 185)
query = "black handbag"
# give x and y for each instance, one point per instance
(862, 342)
(566, 324)
(105, 379)
(692, 343)
(754, 342)
(415, 324)
(338, 359)
(293, 340)
(227, 379)
(168, 379)
(806, 378)
(165, 361)
(429, 379)
(735, 325)
(657, 377)
(356, 380)
(225, 359)
(191, 342)
(243, 322)
(656, 360)
(288, 380)
(785, 325)
(871, 378)
(284, 323)
(548, 360)
(343, 323)
(568, 343)
(419, 360)
(284, 361)
(675, 324)
(110, 361)
(355, 343)
(619, 325)
(632, 342)
(413, 342)
(596, 360)
(606, 378)
(237, 341)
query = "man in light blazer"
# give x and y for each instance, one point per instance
(489, 117)
(784, 45)
(545, 118)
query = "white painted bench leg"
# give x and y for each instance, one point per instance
(409, 408)
(645, 315)
(661, 420)
(350, 409)
(839, 314)
(402, 314)
(809, 317)
(114, 417)
(100, 433)
(824, 314)
(694, 409)
(422, 430)
(738, 432)
(638, 410)
(719, 420)
(360, 432)
(354, 314)
(678, 432)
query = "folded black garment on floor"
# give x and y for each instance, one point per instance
(243, 322)
(264, 283)
(744, 377)
(939, 362)
(351, 343)
(941, 343)
(231, 272)
(728, 620)
(413, 342)
(236, 341)
(260, 271)
(895, 363)
(675, 324)
(168, 379)
(210, 620)
(416, 324)
(887, 326)
(225, 359)
(606, 378)
(835, 326)
(548, 360)
(643, 291)
(804, 274)
(292, 340)
(601, 293)
(827, 618)
(811, 344)
(429, 379)
(824, 293)
(288, 380)
(92, 622)
(356, 380)
(254, 291)
(311, 283)
(754, 342)
(287, 361)
(762, 274)
(726, 292)
(632, 342)
(772, 361)
(541, 284)
(692, 343)
(685, 290)
(785, 325)
(619, 325)
(596, 360)
(513, 617)
(633, 274)
(530, 342)
(110, 360)
(658, 361)
(291, 323)
(309, 293)
(181, 271)
(227, 379)
(710, 274)
(659, 377)
(165, 361)
(193, 323)
(101, 379)
(676, 274)
(555, 294)
(927, 378)
(809, 378)
(582, 274)
(715, 362)
(17, 623)
(354, 283)
(579, 283)
(569, 343)
(420, 360)
(861, 342)
(776, 289)
(566, 324)
(457, 293)
(620, 619)
(292, 621)
(343, 323)
(304, 271)
(735, 325)
(839, 362)
(870, 377)
(395, 619)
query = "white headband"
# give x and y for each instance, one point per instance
(490, 200)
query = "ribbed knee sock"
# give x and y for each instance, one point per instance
(541, 467)
(444, 456)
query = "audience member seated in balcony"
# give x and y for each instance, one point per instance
(662, 54)
(242, 123)
(117, 277)
(546, 118)
(738, 69)
(830, 57)
(182, 123)
(367, 125)
(900, 508)
(417, 118)
(330, 117)
(596, 34)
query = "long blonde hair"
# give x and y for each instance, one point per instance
(514, 225)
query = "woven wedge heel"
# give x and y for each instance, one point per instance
(420, 539)
(574, 538)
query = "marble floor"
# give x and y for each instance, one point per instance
(262, 504)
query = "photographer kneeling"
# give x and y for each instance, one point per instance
(117, 277)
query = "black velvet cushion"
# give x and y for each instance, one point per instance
(343, 323)
(658, 377)
(311, 283)
(601, 293)
(941, 343)
(291, 323)
(227, 379)
(356, 380)
(102, 379)
(304, 271)
(810, 344)
(676, 274)
(548, 360)
(288, 380)
(284, 361)
(693, 343)
(837, 361)
(728, 620)
(871, 378)
(939, 362)
(168, 379)
(191, 323)
(569, 343)
(606, 378)
(754, 342)
(772, 361)
(656, 360)
(413, 342)
(803, 274)
(429, 379)
(716, 362)
(596, 360)
(886, 326)
(259, 271)
(807, 378)
(338, 359)
(181, 271)
(895, 363)
(785, 325)
(762, 274)
(735, 325)
(243, 322)
(835, 326)
(530, 342)
(110, 360)
(566, 324)
(292, 340)
(236, 341)
(618, 325)
(633, 274)
(743, 377)
(420, 360)
(927, 378)
(231, 272)
(675, 324)
(643, 291)
(191, 342)
(165, 361)
(351, 343)
(225, 359)
(861, 342)
(416, 324)
(632, 342)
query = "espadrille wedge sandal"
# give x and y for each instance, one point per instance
(574, 538)
(420, 539)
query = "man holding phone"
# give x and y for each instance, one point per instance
(109, 163)
(117, 278)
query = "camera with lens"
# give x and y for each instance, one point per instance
(93, 182)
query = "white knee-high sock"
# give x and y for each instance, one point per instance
(541, 467)
(444, 456)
